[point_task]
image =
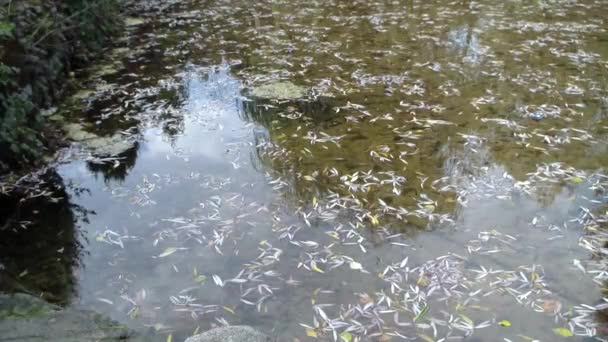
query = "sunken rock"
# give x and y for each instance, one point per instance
(99, 146)
(279, 91)
(29, 319)
(235, 333)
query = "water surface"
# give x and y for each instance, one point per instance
(444, 177)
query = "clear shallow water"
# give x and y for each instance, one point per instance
(468, 138)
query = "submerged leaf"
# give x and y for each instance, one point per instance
(316, 268)
(167, 252)
(355, 265)
(311, 332)
(504, 323)
(346, 336)
(563, 332)
(422, 313)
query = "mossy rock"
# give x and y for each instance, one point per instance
(29, 319)
(279, 91)
(98, 145)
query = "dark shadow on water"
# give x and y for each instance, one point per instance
(111, 171)
(40, 246)
(264, 111)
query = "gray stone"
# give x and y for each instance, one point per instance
(99, 146)
(235, 333)
(26, 318)
(109, 146)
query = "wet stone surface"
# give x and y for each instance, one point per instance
(28, 319)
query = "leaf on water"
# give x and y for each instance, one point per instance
(426, 338)
(170, 338)
(311, 332)
(466, 319)
(551, 305)
(229, 310)
(563, 332)
(504, 323)
(577, 180)
(198, 328)
(346, 336)
(134, 312)
(316, 268)
(423, 281)
(374, 219)
(167, 252)
(200, 279)
(355, 266)
(422, 313)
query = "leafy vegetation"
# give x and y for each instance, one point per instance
(40, 42)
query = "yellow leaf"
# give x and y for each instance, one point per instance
(346, 336)
(198, 328)
(504, 323)
(195, 271)
(466, 319)
(426, 338)
(534, 276)
(135, 312)
(563, 332)
(200, 279)
(170, 338)
(374, 219)
(167, 252)
(311, 332)
(229, 310)
(576, 180)
(429, 207)
(316, 268)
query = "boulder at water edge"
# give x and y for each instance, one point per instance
(235, 333)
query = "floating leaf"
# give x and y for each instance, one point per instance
(170, 338)
(229, 310)
(346, 336)
(467, 319)
(200, 279)
(563, 332)
(134, 312)
(422, 313)
(504, 323)
(427, 338)
(551, 305)
(311, 332)
(374, 219)
(576, 180)
(167, 252)
(316, 268)
(355, 266)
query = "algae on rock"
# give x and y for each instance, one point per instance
(279, 91)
